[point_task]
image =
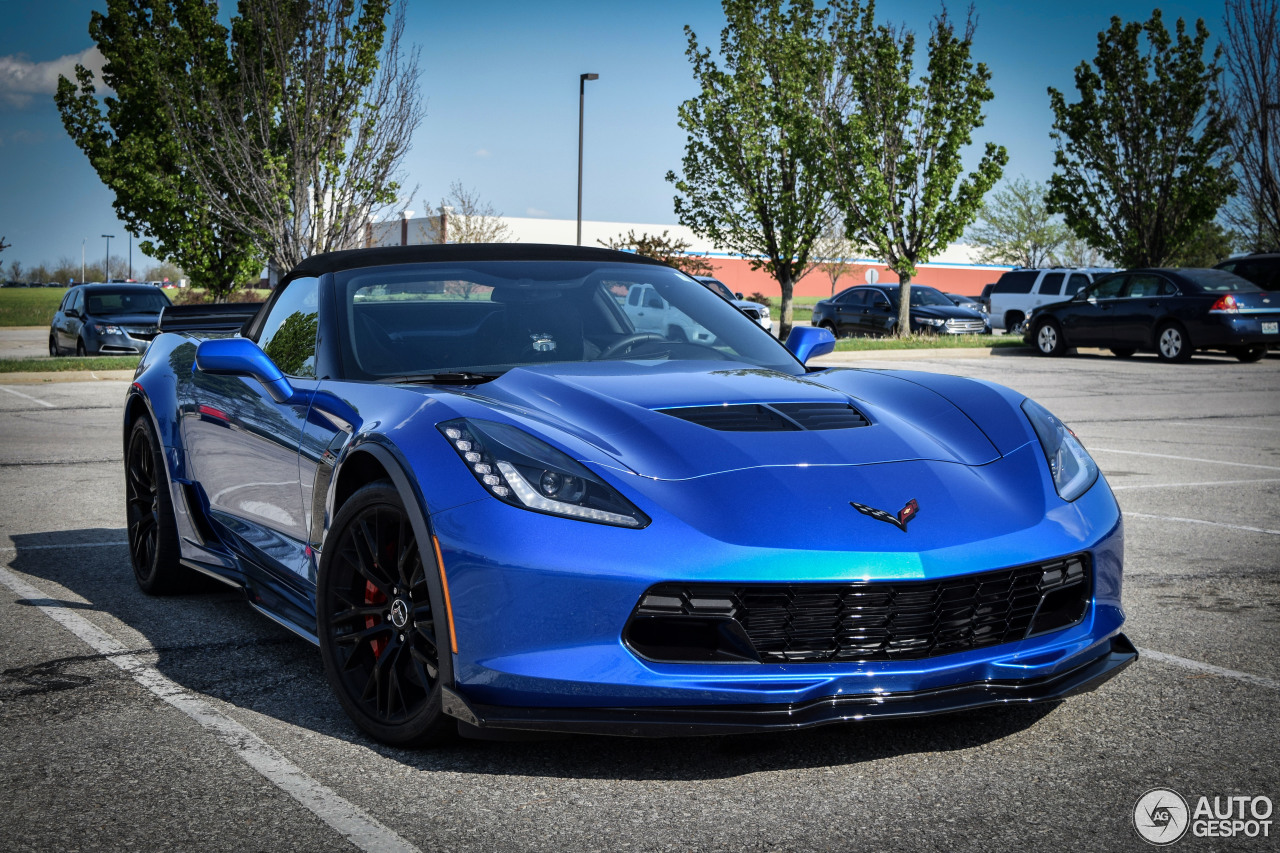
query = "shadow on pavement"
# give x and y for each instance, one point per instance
(215, 645)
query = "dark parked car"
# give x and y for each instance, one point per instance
(106, 319)
(872, 309)
(1171, 311)
(969, 302)
(1261, 268)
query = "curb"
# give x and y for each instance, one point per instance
(65, 376)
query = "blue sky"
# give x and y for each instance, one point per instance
(500, 80)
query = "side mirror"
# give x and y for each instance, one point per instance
(242, 357)
(738, 295)
(806, 342)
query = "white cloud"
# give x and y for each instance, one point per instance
(21, 79)
(483, 153)
(533, 211)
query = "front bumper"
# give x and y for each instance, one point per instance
(1093, 670)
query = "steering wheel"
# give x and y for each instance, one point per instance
(629, 341)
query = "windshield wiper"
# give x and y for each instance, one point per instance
(444, 377)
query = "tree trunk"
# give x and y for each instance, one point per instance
(784, 312)
(904, 307)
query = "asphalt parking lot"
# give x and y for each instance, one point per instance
(192, 723)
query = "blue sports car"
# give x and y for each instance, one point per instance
(497, 504)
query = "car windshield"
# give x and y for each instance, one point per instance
(486, 317)
(1218, 281)
(106, 303)
(718, 287)
(921, 295)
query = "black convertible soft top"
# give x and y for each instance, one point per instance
(460, 252)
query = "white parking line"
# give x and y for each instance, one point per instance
(1202, 521)
(27, 397)
(1222, 426)
(120, 544)
(1209, 668)
(1196, 485)
(353, 823)
(1184, 458)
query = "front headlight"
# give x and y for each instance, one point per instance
(932, 321)
(524, 471)
(1073, 469)
(107, 329)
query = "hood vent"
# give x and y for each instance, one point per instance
(772, 417)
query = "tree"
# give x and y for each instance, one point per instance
(1209, 245)
(1253, 97)
(1141, 159)
(1078, 254)
(833, 254)
(3, 244)
(129, 141)
(1014, 227)
(164, 272)
(672, 251)
(899, 145)
(465, 218)
(308, 135)
(15, 271)
(755, 170)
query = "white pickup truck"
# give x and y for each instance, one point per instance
(649, 312)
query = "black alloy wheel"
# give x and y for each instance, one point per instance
(152, 530)
(378, 629)
(80, 350)
(1172, 343)
(1250, 354)
(1049, 339)
(53, 347)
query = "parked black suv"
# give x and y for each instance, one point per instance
(1261, 268)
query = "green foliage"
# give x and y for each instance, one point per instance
(293, 346)
(1140, 160)
(899, 144)
(128, 135)
(919, 341)
(1014, 227)
(1209, 245)
(65, 364)
(672, 251)
(756, 170)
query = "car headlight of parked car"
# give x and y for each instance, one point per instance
(932, 321)
(523, 471)
(1073, 469)
(107, 329)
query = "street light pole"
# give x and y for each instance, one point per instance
(83, 240)
(582, 90)
(106, 266)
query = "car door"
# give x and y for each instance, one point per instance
(847, 311)
(1091, 318)
(72, 320)
(879, 315)
(1049, 290)
(243, 446)
(1143, 301)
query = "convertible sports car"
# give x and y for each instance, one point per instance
(494, 505)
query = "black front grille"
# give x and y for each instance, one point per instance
(871, 620)
(142, 333)
(772, 417)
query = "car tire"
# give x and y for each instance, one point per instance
(1048, 338)
(80, 350)
(54, 352)
(1012, 319)
(378, 632)
(830, 327)
(1172, 343)
(1248, 355)
(676, 334)
(152, 530)
(1123, 352)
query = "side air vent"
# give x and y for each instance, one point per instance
(772, 417)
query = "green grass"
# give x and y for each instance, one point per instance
(41, 365)
(29, 306)
(928, 342)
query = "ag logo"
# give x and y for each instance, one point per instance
(1161, 816)
(908, 512)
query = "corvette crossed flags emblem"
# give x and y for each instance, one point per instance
(908, 512)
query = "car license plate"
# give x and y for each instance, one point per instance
(1271, 328)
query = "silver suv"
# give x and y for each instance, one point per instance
(1019, 292)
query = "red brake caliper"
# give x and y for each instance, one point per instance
(372, 595)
